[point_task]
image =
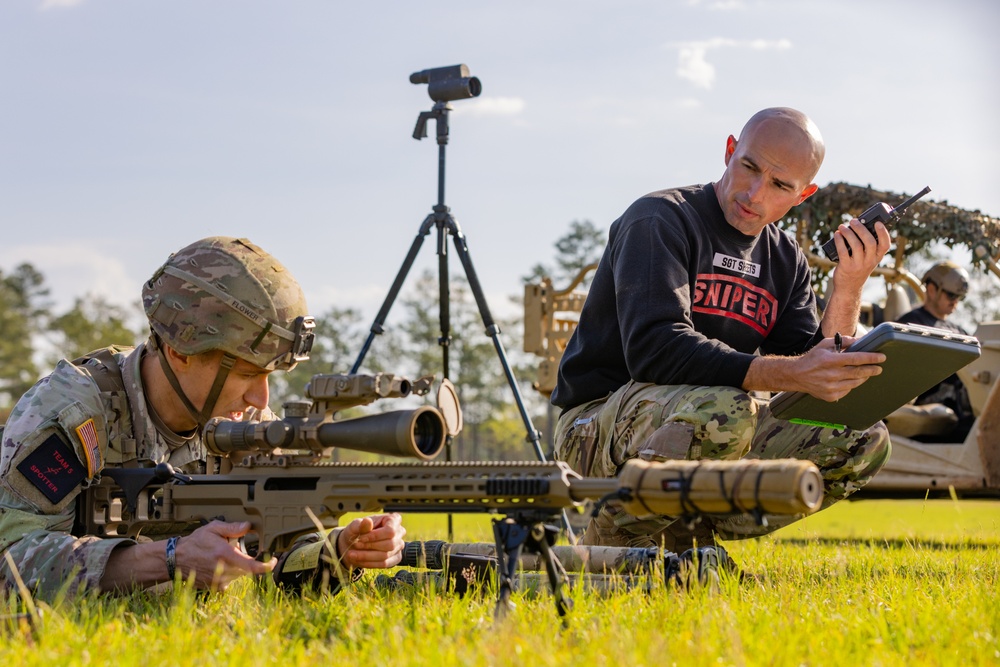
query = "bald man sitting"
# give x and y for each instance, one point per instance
(700, 299)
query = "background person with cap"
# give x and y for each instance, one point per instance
(223, 314)
(945, 284)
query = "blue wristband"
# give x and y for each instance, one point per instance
(172, 557)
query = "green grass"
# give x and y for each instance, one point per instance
(870, 583)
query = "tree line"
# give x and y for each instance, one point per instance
(34, 338)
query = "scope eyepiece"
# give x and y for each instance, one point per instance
(448, 83)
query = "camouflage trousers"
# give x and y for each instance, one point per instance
(674, 422)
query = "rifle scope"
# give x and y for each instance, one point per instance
(417, 433)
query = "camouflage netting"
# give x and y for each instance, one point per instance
(925, 222)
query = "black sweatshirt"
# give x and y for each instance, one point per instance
(681, 297)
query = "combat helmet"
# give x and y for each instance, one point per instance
(227, 294)
(948, 276)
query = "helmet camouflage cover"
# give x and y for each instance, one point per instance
(223, 293)
(949, 277)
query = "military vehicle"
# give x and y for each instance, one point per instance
(922, 464)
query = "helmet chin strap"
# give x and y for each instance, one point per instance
(202, 416)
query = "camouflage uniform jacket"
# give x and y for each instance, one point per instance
(59, 437)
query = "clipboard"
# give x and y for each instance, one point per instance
(917, 358)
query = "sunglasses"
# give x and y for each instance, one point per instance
(951, 295)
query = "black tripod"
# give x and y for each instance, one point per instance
(449, 83)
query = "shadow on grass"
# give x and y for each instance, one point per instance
(892, 543)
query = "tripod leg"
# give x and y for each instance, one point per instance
(383, 313)
(444, 321)
(493, 331)
(444, 300)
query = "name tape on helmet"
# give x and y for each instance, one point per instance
(231, 301)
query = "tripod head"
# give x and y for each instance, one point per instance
(444, 84)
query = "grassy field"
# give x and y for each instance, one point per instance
(871, 583)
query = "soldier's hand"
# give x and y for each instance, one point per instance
(372, 542)
(865, 253)
(213, 554)
(830, 375)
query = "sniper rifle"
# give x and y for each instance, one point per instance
(276, 475)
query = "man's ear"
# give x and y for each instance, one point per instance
(808, 192)
(730, 148)
(176, 359)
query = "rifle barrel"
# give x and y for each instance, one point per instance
(676, 488)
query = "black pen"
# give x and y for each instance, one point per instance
(838, 341)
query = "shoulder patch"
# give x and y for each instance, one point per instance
(53, 469)
(87, 433)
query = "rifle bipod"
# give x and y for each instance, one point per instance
(527, 531)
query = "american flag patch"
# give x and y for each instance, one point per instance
(91, 449)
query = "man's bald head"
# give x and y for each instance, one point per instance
(791, 118)
(769, 169)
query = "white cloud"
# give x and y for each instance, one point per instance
(493, 106)
(726, 5)
(60, 4)
(722, 5)
(76, 268)
(766, 44)
(692, 57)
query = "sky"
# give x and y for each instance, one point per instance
(129, 129)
